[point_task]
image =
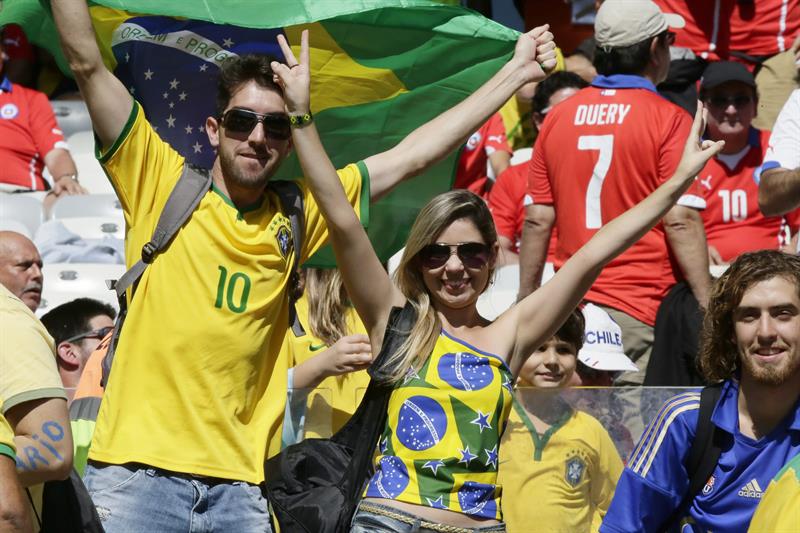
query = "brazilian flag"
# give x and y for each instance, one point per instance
(380, 69)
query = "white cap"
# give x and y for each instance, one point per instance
(621, 23)
(602, 342)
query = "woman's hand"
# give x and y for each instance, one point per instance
(348, 354)
(536, 53)
(294, 77)
(696, 151)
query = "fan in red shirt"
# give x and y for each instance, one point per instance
(729, 182)
(601, 152)
(488, 144)
(509, 195)
(30, 141)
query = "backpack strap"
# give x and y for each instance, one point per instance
(705, 450)
(192, 185)
(291, 198)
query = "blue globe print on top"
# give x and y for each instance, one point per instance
(465, 371)
(477, 499)
(422, 423)
(390, 480)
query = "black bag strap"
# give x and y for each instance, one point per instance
(291, 198)
(705, 450)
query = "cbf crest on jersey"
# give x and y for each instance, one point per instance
(280, 226)
(574, 471)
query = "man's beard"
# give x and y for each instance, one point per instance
(773, 375)
(231, 172)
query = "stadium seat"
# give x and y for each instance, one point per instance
(91, 174)
(91, 205)
(72, 116)
(95, 227)
(9, 224)
(522, 155)
(64, 282)
(23, 208)
(81, 142)
(501, 294)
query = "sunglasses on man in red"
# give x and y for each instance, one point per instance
(276, 125)
(472, 254)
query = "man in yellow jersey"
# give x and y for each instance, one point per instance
(196, 396)
(13, 508)
(33, 399)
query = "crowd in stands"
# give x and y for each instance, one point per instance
(639, 184)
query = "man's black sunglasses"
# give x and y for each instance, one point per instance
(276, 125)
(99, 333)
(472, 254)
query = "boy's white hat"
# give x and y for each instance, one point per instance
(602, 342)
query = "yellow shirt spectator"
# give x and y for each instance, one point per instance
(779, 510)
(215, 305)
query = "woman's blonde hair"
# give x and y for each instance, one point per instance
(431, 222)
(327, 304)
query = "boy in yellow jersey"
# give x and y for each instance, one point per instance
(553, 450)
(14, 515)
(196, 397)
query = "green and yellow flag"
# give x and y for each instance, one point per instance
(380, 68)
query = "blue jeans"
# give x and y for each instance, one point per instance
(137, 498)
(367, 520)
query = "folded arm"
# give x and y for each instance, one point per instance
(108, 101)
(536, 231)
(779, 191)
(687, 240)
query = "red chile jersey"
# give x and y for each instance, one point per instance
(28, 131)
(716, 28)
(734, 224)
(507, 201)
(490, 138)
(764, 27)
(600, 153)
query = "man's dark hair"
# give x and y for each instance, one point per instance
(572, 330)
(552, 84)
(72, 318)
(719, 356)
(624, 59)
(239, 70)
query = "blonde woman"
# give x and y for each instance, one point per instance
(437, 466)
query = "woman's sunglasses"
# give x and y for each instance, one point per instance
(276, 125)
(472, 254)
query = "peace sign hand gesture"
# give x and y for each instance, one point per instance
(294, 77)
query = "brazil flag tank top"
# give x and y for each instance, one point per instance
(440, 445)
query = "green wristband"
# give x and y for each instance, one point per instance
(298, 121)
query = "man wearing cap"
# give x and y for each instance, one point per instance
(729, 182)
(751, 348)
(601, 152)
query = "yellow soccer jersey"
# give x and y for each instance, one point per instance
(203, 358)
(7, 447)
(333, 401)
(779, 510)
(560, 481)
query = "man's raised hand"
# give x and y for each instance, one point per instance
(294, 76)
(536, 53)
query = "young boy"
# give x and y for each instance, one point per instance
(551, 449)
